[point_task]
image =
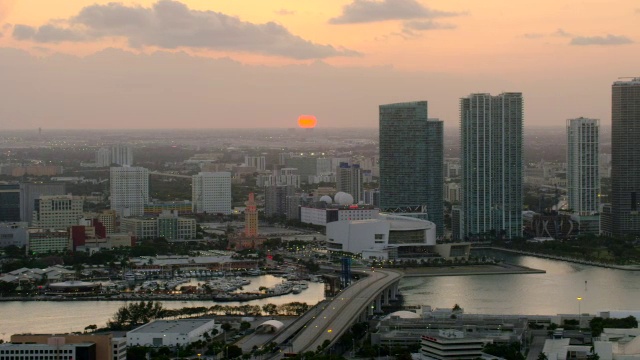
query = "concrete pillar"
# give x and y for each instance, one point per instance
(370, 309)
(379, 303)
(385, 295)
(394, 291)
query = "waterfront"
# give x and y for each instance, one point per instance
(550, 293)
(554, 292)
(67, 316)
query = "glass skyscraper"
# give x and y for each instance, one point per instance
(411, 160)
(583, 179)
(491, 141)
(625, 159)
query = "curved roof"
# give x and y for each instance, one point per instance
(404, 223)
(342, 198)
(403, 314)
(274, 324)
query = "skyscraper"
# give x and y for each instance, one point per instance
(583, 173)
(625, 158)
(211, 193)
(121, 154)
(30, 192)
(129, 190)
(491, 140)
(411, 160)
(9, 202)
(349, 180)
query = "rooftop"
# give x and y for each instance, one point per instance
(183, 326)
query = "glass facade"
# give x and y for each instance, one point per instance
(491, 140)
(411, 160)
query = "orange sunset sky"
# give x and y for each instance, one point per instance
(259, 63)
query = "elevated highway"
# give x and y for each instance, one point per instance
(352, 304)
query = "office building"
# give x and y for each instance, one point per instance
(107, 347)
(275, 199)
(42, 241)
(625, 158)
(411, 160)
(349, 180)
(129, 190)
(10, 202)
(491, 141)
(167, 225)
(62, 351)
(452, 344)
(13, 234)
(57, 211)
(211, 193)
(29, 192)
(122, 155)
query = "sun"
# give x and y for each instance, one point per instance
(307, 121)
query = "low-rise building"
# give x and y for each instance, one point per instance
(46, 241)
(168, 225)
(14, 233)
(171, 332)
(452, 344)
(77, 346)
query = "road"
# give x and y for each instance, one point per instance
(338, 315)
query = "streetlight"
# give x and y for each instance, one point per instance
(579, 313)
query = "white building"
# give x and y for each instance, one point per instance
(583, 179)
(349, 180)
(122, 155)
(452, 344)
(129, 190)
(257, 162)
(387, 236)
(167, 225)
(211, 193)
(14, 233)
(103, 157)
(57, 211)
(323, 216)
(171, 332)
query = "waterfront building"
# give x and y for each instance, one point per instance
(122, 155)
(129, 190)
(42, 241)
(211, 193)
(57, 211)
(9, 202)
(583, 178)
(171, 333)
(30, 192)
(349, 180)
(625, 158)
(167, 225)
(61, 351)
(452, 344)
(106, 346)
(411, 160)
(491, 141)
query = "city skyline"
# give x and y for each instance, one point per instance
(127, 65)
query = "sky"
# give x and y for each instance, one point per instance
(260, 64)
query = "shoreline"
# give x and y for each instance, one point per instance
(467, 270)
(562, 258)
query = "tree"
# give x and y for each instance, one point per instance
(226, 327)
(542, 356)
(245, 325)
(233, 351)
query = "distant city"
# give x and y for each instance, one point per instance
(239, 221)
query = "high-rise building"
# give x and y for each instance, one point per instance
(251, 217)
(57, 211)
(583, 168)
(491, 141)
(211, 193)
(625, 158)
(275, 199)
(29, 192)
(103, 157)
(411, 160)
(349, 180)
(257, 162)
(10, 202)
(129, 190)
(122, 154)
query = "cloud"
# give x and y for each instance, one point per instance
(171, 24)
(533, 35)
(601, 40)
(364, 11)
(558, 33)
(285, 12)
(427, 25)
(47, 34)
(561, 33)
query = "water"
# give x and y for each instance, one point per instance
(544, 294)
(536, 294)
(65, 316)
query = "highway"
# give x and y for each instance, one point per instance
(340, 313)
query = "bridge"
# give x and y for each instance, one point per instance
(332, 319)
